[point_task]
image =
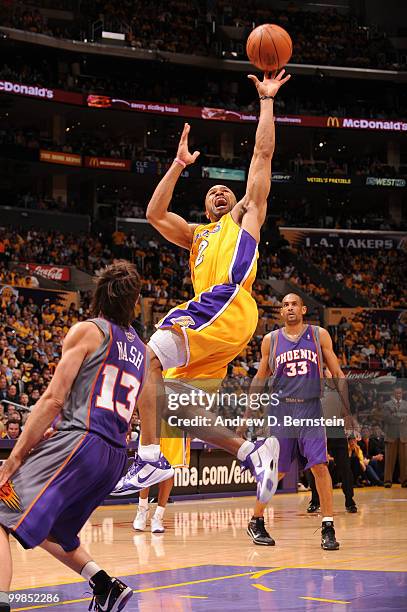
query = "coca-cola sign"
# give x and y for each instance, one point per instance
(57, 273)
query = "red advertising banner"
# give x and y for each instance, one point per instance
(57, 157)
(221, 114)
(209, 113)
(108, 163)
(175, 110)
(41, 93)
(57, 273)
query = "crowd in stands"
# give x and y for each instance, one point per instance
(29, 19)
(274, 266)
(163, 149)
(15, 277)
(372, 340)
(319, 37)
(130, 208)
(86, 252)
(33, 201)
(378, 278)
(198, 89)
(164, 267)
(31, 332)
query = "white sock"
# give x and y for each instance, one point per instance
(4, 598)
(328, 518)
(143, 503)
(150, 452)
(244, 450)
(89, 570)
(159, 512)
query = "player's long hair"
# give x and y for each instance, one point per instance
(117, 293)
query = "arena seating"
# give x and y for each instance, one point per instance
(31, 334)
(323, 37)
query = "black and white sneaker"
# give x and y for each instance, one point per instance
(328, 539)
(112, 600)
(258, 533)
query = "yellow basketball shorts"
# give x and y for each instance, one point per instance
(175, 446)
(217, 324)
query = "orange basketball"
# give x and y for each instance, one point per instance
(269, 47)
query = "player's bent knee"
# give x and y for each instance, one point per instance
(320, 469)
(168, 346)
(153, 360)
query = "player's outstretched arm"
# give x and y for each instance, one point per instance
(330, 358)
(338, 376)
(258, 382)
(170, 225)
(251, 211)
(80, 342)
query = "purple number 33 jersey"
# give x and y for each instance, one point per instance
(296, 364)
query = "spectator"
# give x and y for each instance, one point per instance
(363, 472)
(3, 388)
(368, 446)
(3, 419)
(395, 431)
(13, 430)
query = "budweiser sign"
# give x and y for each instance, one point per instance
(57, 273)
(365, 374)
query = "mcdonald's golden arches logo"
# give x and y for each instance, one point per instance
(93, 162)
(332, 122)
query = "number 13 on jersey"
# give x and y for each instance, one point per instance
(108, 393)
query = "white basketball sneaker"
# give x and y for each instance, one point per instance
(140, 521)
(143, 474)
(263, 464)
(157, 525)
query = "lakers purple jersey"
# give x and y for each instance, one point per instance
(104, 394)
(296, 364)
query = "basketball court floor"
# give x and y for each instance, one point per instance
(206, 562)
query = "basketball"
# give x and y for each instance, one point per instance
(269, 47)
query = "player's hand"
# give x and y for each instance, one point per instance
(352, 427)
(8, 469)
(269, 86)
(183, 152)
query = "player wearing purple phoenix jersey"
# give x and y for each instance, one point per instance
(292, 360)
(49, 488)
(104, 393)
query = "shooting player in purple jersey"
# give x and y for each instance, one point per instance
(292, 359)
(49, 488)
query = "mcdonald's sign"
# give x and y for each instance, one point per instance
(107, 163)
(332, 122)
